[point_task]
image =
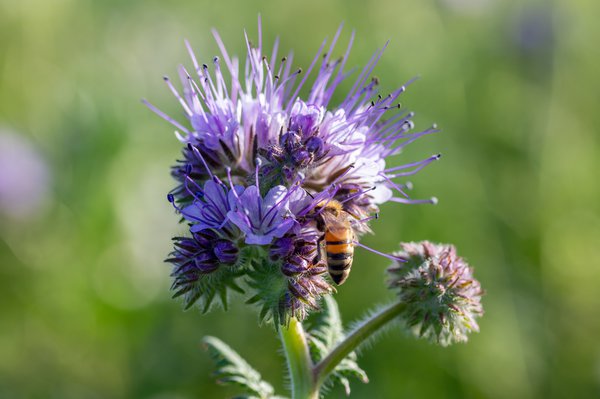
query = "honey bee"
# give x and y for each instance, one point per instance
(338, 240)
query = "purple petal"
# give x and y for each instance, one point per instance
(252, 204)
(282, 228)
(274, 196)
(240, 221)
(192, 212)
(257, 239)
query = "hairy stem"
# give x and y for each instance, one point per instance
(299, 362)
(354, 339)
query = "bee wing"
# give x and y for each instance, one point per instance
(339, 228)
(331, 220)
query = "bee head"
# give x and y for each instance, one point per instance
(331, 206)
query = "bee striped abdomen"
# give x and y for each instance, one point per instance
(340, 251)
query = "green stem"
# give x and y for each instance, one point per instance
(299, 361)
(354, 339)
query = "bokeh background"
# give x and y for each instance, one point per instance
(85, 308)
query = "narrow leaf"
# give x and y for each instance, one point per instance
(232, 369)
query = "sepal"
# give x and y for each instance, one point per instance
(203, 289)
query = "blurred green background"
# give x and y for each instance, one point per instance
(85, 308)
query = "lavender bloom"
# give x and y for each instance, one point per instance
(259, 114)
(210, 207)
(260, 219)
(281, 157)
(441, 295)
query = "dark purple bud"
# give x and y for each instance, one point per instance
(306, 248)
(204, 238)
(319, 268)
(314, 145)
(290, 140)
(301, 157)
(300, 290)
(225, 251)
(281, 248)
(294, 265)
(205, 263)
(186, 244)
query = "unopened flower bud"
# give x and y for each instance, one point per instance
(281, 248)
(225, 251)
(301, 157)
(290, 140)
(442, 298)
(306, 248)
(294, 265)
(314, 145)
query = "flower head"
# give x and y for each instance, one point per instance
(442, 297)
(259, 161)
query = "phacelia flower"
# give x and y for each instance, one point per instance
(259, 162)
(442, 297)
(262, 219)
(210, 207)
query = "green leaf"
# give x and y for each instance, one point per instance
(326, 332)
(232, 369)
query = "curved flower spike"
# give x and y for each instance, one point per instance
(442, 297)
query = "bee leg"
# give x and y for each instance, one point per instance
(320, 248)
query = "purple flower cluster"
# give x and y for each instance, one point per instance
(258, 162)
